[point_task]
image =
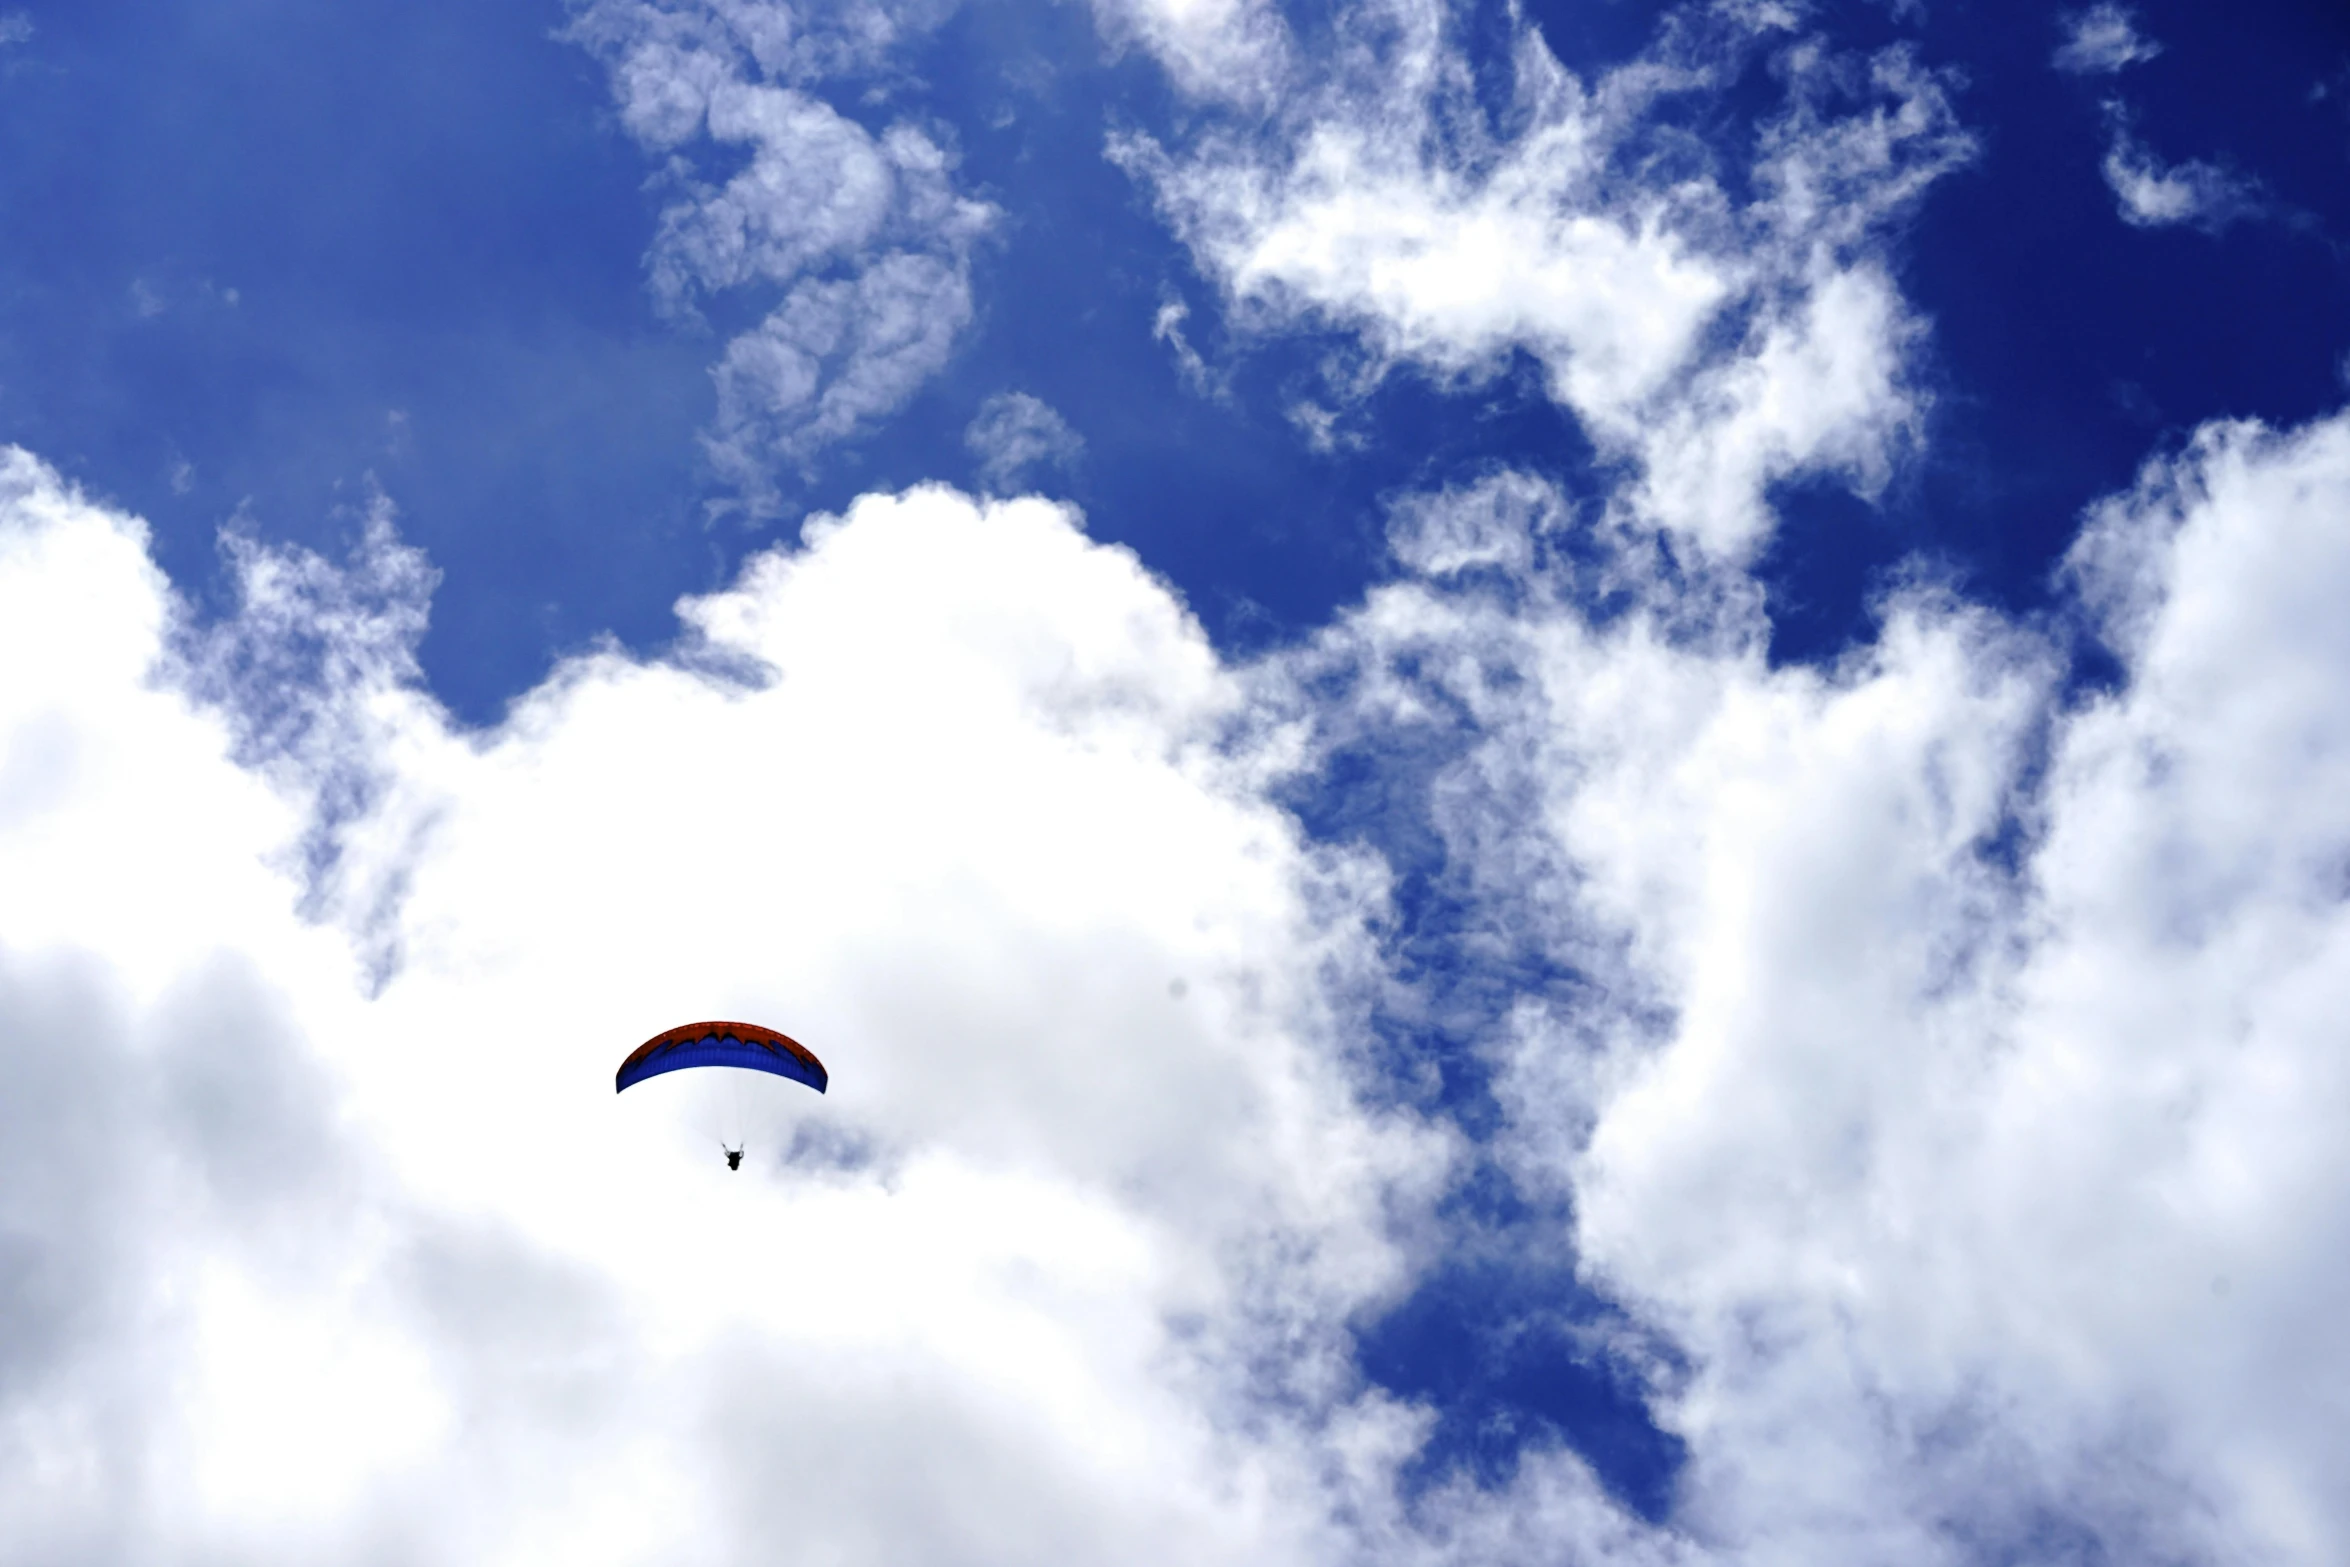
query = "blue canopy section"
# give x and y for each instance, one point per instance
(675, 1051)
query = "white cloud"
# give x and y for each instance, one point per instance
(1949, 1074)
(2154, 194)
(1236, 51)
(670, 54)
(304, 1266)
(864, 233)
(1818, 388)
(818, 188)
(1496, 523)
(1669, 319)
(1325, 429)
(1013, 433)
(15, 28)
(2102, 40)
(1167, 328)
(833, 359)
(1950, 1069)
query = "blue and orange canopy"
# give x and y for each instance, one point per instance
(722, 1044)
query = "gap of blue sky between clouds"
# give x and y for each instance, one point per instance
(217, 341)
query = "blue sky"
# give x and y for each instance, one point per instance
(434, 233)
(1549, 779)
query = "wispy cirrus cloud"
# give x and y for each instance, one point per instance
(1014, 434)
(861, 233)
(2100, 41)
(1720, 345)
(2151, 193)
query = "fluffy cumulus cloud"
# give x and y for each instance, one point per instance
(311, 1256)
(1933, 1058)
(1946, 1064)
(2151, 193)
(1718, 343)
(1938, 1063)
(2102, 40)
(859, 236)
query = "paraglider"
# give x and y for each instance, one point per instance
(743, 1045)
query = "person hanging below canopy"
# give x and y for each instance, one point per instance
(743, 1046)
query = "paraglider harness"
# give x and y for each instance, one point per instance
(734, 1157)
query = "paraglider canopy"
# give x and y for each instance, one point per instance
(722, 1044)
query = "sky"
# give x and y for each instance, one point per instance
(1553, 782)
